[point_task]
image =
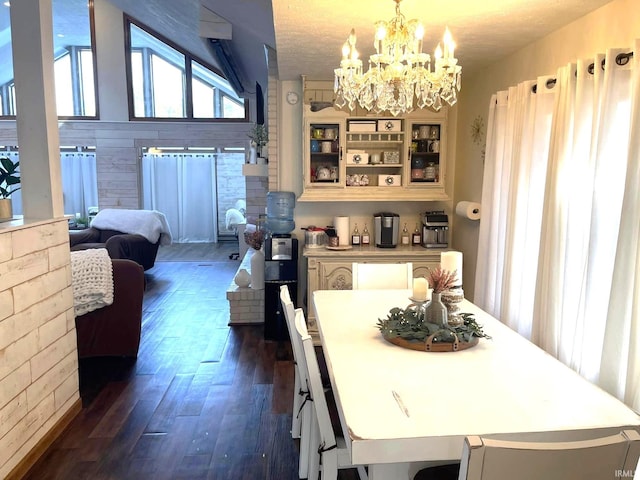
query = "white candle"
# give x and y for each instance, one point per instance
(420, 289)
(452, 261)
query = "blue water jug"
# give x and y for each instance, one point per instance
(280, 207)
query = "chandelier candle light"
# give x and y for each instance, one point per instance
(452, 261)
(399, 74)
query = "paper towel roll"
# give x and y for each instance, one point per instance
(342, 229)
(470, 210)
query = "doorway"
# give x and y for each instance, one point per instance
(193, 188)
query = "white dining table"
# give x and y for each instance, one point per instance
(504, 387)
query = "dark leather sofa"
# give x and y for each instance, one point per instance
(119, 245)
(114, 330)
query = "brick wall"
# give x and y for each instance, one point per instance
(38, 353)
(256, 197)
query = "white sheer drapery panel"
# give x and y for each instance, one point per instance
(515, 168)
(183, 187)
(583, 203)
(79, 182)
(577, 199)
(620, 368)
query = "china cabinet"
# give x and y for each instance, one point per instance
(374, 158)
(331, 269)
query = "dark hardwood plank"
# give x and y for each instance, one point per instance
(202, 401)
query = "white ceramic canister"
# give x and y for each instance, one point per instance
(326, 147)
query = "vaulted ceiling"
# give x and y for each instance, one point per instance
(308, 34)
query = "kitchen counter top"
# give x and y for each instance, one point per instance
(372, 251)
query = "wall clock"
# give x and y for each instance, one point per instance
(292, 98)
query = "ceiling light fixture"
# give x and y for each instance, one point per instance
(399, 73)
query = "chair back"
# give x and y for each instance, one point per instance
(603, 458)
(289, 314)
(314, 383)
(381, 276)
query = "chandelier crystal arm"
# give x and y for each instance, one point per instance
(399, 75)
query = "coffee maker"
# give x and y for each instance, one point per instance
(435, 226)
(386, 229)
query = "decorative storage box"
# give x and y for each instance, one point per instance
(391, 157)
(357, 158)
(389, 125)
(389, 180)
(362, 126)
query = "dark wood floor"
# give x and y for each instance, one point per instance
(202, 401)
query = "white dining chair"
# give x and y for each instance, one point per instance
(329, 451)
(301, 414)
(603, 458)
(381, 276)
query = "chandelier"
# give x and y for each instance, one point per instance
(399, 74)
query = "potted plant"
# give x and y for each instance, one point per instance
(259, 138)
(9, 183)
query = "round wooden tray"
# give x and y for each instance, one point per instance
(429, 346)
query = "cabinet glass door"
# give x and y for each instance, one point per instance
(324, 153)
(425, 150)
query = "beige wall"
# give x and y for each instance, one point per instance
(38, 357)
(614, 25)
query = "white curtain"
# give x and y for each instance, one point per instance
(183, 187)
(558, 255)
(513, 184)
(79, 182)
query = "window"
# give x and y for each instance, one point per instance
(166, 82)
(74, 66)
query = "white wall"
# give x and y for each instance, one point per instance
(614, 25)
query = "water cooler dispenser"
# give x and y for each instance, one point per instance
(281, 262)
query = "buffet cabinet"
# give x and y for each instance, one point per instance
(331, 269)
(374, 158)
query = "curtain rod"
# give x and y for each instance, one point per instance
(621, 59)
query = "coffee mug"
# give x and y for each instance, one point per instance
(326, 147)
(315, 146)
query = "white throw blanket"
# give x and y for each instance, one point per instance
(92, 279)
(151, 224)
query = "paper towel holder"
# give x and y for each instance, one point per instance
(468, 210)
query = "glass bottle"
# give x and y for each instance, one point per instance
(404, 237)
(416, 238)
(365, 239)
(430, 172)
(355, 236)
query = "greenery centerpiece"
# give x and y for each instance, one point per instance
(413, 327)
(9, 183)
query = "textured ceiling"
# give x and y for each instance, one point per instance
(310, 33)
